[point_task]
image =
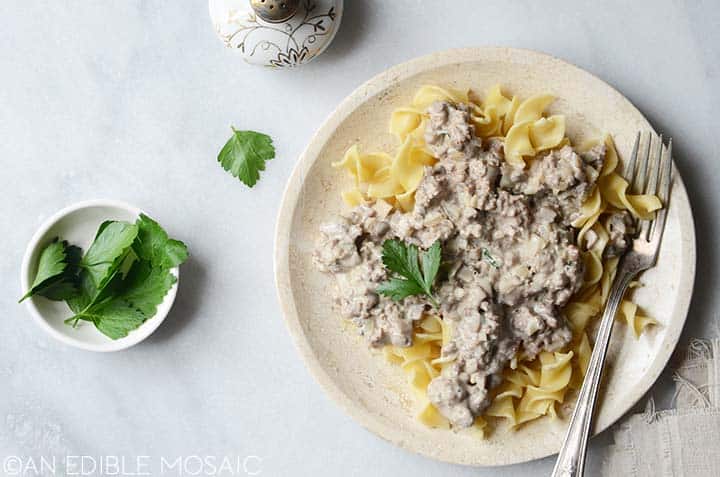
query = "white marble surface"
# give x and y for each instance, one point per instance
(132, 100)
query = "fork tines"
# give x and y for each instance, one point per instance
(648, 166)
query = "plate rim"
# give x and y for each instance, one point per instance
(290, 201)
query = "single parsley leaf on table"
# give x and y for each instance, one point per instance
(245, 154)
(57, 273)
(413, 274)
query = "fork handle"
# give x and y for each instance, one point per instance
(571, 459)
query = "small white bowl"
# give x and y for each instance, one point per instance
(78, 224)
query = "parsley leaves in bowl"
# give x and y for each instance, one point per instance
(101, 275)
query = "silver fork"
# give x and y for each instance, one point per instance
(643, 177)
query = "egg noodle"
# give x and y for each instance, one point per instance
(531, 388)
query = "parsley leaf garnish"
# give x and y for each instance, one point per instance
(56, 277)
(245, 154)
(112, 244)
(414, 275)
(154, 245)
(489, 258)
(109, 254)
(135, 301)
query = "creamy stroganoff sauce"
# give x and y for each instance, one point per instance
(510, 257)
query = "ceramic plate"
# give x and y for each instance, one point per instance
(375, 392)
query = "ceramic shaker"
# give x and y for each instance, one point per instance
(277, 33)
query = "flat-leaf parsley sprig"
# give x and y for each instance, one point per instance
(57, 275)
(414, 273)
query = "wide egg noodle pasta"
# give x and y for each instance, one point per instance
(404, 121)
(379, 176)
(613, 187)
(583, 352)
(429, 94)
(635, 320)
(349, 160)
(547, 133)
(555, 375)
(384, 185)
(368, 165)
(431, 417)
(531, 388)
(407, 172)
(503, 405)
(589, 213)
(421, 156)
(353, 197)
(527, 138)
(518, 144)
(611, 156)
(488, 123)
(593, 256)
(614, 190)
(509, 119)
(406, 201)
(496, 99)
(532, 108)
(430, 334)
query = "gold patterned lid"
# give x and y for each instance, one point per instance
(276, 33)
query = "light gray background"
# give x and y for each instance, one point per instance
(132, 100)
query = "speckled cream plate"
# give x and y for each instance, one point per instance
(375, 392)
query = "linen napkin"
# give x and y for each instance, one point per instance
(679, 442)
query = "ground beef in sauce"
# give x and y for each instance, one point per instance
(507, 233)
